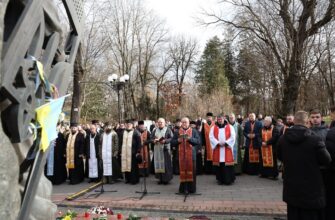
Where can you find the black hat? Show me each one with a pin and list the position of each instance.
(73, 124)
(129, 121)
(209, 114)
(94, 121)
(141, 122)
(193, 122)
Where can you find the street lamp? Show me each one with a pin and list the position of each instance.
(117, 85)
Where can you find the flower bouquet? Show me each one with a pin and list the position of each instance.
(99, 213)
(101, 210)
(68, 216)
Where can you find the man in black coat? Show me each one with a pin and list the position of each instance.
(302, 153)
(329, 176)
(317, 127)
(332, 116)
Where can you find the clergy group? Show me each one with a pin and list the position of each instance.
(223, 147)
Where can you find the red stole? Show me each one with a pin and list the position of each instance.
(209, 150)
(229, 158)
(185, 151)
(267, 154)
(253, 153)
(144, 151)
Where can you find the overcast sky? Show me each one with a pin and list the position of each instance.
(180, 17)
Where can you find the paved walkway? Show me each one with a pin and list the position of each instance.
(250, 195)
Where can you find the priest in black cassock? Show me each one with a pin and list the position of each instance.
(208, 157)
(130, 151)
(74, 154)
(199, 160)
(55, 168)
(174, 149)
(93, 160)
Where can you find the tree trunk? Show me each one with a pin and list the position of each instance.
(293, 78)
(291, 92)
(180, 94)
(78, 74)
(157, 102)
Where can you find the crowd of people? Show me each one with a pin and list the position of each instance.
(224, 145)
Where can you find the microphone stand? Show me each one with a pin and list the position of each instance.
(100, 191)
(146, 170)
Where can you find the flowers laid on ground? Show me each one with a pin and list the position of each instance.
(104, 213)
(68, 216)
(100, 210)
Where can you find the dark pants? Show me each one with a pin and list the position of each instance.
(329, 181)
(225, 174)
(250, 168)
(295, 213)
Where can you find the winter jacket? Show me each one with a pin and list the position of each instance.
(302, 153)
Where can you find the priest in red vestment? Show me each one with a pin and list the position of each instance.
(187, 139)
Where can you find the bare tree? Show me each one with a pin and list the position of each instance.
(326, 50)
(134, 34)
(286, 27)
(183, 53)
(159, 76)
(94, 45)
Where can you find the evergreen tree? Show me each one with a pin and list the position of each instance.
(210, 72)
(229, 66)
(247, 79)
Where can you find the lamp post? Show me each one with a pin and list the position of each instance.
(117, 84)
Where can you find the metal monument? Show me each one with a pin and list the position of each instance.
(32, 38)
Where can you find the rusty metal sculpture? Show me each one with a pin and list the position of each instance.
(32, 31)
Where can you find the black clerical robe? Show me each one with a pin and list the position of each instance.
(59, 173)
(76, 172)
(131, 146)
